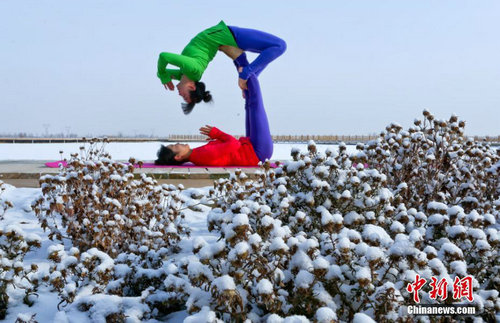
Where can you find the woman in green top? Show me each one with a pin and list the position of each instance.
(196, 56)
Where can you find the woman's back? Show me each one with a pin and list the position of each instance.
(204, 46)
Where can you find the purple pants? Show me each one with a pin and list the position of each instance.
(268, 46)
(256, 124)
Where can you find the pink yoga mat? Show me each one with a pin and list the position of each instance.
(152, 165)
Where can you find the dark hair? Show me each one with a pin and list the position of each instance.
(166, 157)
(198, 95)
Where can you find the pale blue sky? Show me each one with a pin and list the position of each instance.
(351, 66)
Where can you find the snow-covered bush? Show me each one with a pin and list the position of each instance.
(26, 318)
(138, 276)
(435, 161)
(122, 230)
(101, 205)
(14, 244)
(4, 204)
(327, 236)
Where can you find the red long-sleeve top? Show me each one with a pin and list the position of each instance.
(224, 150)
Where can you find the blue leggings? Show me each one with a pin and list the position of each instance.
(268, 46)
(256, 124)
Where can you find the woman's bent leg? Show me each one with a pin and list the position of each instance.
(269, 47)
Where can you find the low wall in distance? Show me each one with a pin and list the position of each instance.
(190, 138)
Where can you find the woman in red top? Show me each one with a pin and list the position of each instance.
(224, 149)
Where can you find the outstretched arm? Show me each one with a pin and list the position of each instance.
(185, 64)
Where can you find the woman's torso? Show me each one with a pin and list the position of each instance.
(204, 46)
(218, 153)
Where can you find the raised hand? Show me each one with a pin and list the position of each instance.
(206, 130)
(169, 86)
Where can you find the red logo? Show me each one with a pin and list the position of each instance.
(439, 289)
(415, 287)
(461, 288)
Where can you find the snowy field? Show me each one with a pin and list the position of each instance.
(145, 151)
(423, 234)
(22, 217)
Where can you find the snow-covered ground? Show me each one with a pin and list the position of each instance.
(121, 151)
(23, 217)
(45, 306)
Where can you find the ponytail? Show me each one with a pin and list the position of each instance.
(198, 95)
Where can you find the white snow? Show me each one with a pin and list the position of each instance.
(254, 239)
(278, 244)
(274, 318)
(107, 262)
(301, 260)
(450, 248)
(455, 230)
(374, 253)
(376, 233)
(325, 315)
(351, 217)
(363, 273)
(346, 194)
(266, 220)
(203, 316)
(362, 318)
(240, 219)
(344, 244)
(305, 260)
(437, 219)
(264, 286)
(459, 267)
(223, 283)
(476, 233)
(197, 269)
(437, 206)
(320, 263)
(304, 279)
(242, 247)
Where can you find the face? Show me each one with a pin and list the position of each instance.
(184, 87)
(180, 150)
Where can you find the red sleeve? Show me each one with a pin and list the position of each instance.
(222, 136)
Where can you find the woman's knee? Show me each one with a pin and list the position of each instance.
(281, 44)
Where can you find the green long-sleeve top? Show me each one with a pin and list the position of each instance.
(195, 57)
